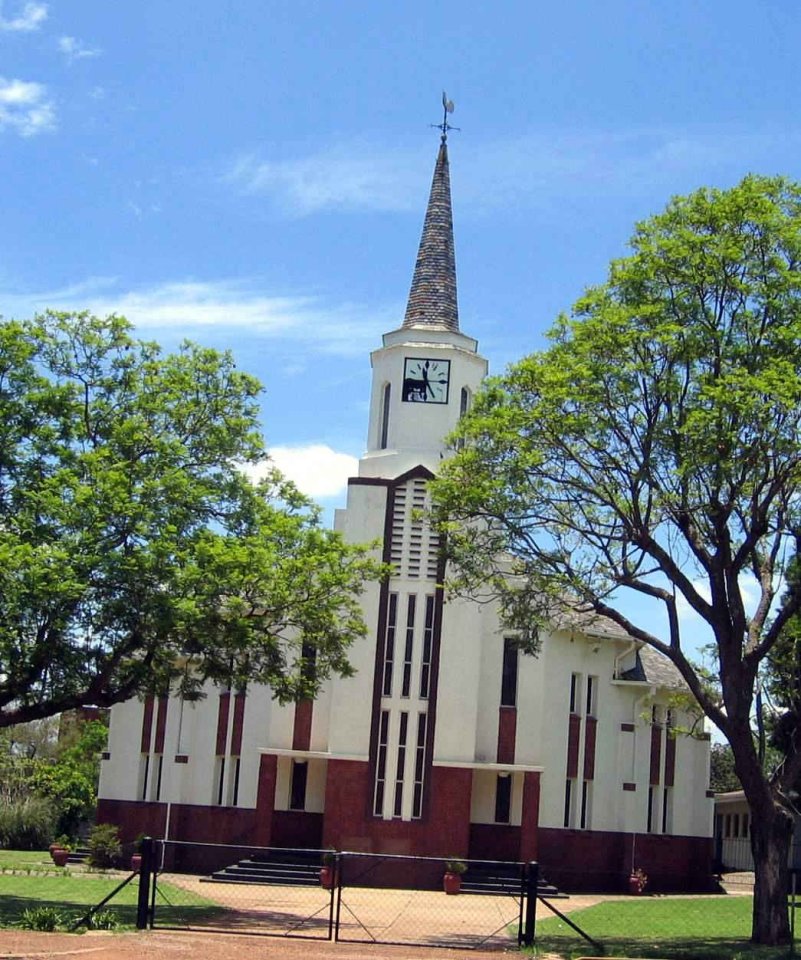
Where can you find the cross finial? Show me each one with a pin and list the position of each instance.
(447, 107)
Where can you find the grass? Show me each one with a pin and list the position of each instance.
(73, 893)
(26, 860)
(681, 928)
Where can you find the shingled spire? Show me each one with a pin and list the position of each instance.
(432, 298)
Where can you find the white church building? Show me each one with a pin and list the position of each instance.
(447, 742)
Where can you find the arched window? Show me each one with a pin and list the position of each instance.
(383, 438)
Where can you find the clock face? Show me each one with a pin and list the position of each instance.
(425, 381)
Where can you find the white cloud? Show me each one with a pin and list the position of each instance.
(73, 49)
(541, 168)
(351, 178)
(30, 18)
(316, 469)
(343, 329)
(25, 107)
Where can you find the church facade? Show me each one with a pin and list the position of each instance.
(447, 741)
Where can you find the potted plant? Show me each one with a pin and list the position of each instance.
(638, 881)
(136, 856)
(61, 853)
(452, 880)
(329, 872)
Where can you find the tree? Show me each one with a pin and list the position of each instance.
(722, 777)
(654, 448)
(134, 551)
(70, 780)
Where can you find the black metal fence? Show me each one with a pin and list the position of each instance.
(354, 897)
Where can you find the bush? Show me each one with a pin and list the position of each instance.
(104, 845)
(103, 920)
(27, 824)
(47, 919)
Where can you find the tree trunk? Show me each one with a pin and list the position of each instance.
(771, 831)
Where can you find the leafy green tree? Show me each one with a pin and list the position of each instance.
(134, 552)
(655, 448)
(722, 777)
(70, 781)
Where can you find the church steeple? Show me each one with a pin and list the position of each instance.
(432, 298)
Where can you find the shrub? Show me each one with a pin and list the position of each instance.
(103, 920)
(47, 919)
(104, 845)
(27, 824)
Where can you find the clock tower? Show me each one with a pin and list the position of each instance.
(387, 747)
(426, 372)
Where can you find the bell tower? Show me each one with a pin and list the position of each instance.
(426, 372)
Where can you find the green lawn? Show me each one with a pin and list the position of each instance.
(688, 928)
(72, 893)
(26, 860)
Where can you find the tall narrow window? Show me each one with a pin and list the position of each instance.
(428, 639)
(297, 790)
(404, 724)
(144, 770)
(409, 648)
(650, 825)
(383, 440)
(568, 803)
(419, 766)
(592, 692)
(575, 692)
(667, 810)
(503, 798)
(381, 764)
(159, 771)
(220, 780)
(586, 796)
(235, 784)
(389, 645)
(509, 673)
(464, 406)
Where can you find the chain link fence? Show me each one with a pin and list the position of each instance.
(354, 897)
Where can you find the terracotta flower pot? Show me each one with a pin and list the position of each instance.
(328, 877)
(452, 882)
(136, 862)
(60, 856)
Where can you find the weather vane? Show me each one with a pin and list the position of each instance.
(447, 107)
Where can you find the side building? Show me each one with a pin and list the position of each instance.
(447, 742)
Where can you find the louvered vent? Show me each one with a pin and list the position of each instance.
(414, 550)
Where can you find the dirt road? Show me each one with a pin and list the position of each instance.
(169, 945)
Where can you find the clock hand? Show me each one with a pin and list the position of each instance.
(426, 384)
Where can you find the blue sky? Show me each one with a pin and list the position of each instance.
(252, 174)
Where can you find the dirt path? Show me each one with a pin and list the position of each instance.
(169, 945)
